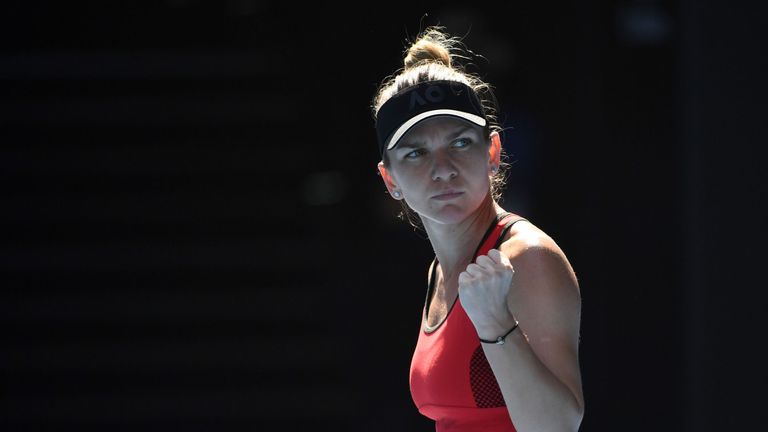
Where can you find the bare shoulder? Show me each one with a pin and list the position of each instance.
(545, 284)
(531, 249)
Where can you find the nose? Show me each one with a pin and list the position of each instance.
(443, 168)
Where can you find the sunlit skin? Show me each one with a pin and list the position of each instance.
(527, 279)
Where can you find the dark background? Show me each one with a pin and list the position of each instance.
(195, 236)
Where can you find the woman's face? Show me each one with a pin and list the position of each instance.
(441, 167)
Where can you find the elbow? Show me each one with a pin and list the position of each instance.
(573, 414)
(576, 416)
(569, 418)
(570, 421)
(573, 405)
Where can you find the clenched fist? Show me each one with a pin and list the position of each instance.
(483, 289)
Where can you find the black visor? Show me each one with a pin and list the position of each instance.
(425, 100)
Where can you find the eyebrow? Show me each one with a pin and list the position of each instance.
(419, 144)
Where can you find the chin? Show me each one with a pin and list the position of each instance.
(446, 214)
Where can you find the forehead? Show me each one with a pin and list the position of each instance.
(439, 127)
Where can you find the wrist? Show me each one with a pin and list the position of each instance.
(495, 328)
(499, 337)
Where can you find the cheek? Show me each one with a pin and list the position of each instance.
(479, 177)
(408, 175)
(474, 165)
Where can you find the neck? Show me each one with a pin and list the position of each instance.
(455, 244)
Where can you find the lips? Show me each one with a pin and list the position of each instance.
(446, 195)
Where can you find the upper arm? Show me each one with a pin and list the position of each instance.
(546, 301)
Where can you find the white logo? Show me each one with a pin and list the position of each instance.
(432, 94)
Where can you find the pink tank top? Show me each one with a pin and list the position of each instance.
(451, 381)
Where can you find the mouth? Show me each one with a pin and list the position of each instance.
(447, 196)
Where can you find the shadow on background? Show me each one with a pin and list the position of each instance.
(195, 235)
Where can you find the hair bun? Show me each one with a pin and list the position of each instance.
(432, 47)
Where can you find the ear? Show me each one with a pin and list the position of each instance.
(388, 180)
(494, 150)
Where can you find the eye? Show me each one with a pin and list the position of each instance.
(414, 154)
(462, 142)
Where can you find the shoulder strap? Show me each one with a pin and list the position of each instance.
(497, 236)
(431, 281)
(494, 235)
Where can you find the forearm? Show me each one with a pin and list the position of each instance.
(536, 399)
